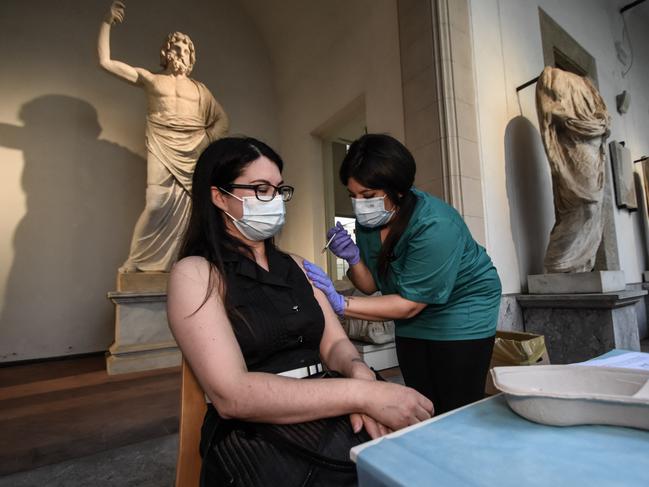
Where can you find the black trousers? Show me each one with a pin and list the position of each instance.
(449, 373)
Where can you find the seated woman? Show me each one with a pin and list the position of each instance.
(243, 314)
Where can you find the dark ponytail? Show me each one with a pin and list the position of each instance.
(378, 161)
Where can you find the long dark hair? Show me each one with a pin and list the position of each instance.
(378, 161)
(206, 236)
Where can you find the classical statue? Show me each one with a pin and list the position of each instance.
(574, 126)
(182, 119)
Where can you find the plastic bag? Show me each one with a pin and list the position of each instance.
(516, 348)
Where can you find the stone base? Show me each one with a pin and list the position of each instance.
(144, 360)
(578, 327)
(579, 282)
(378, 356)
(143, 340)
(142, 281)
(510, 316)
(643, 313)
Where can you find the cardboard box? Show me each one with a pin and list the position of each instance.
(516, 348)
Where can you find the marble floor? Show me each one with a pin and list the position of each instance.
(150, 463)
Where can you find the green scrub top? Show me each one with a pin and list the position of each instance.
(436, 261)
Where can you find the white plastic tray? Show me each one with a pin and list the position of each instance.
(566, 395)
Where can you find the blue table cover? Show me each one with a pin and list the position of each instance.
(487, 444)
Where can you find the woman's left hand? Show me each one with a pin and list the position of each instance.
(322, 281)
(373, 428)
(360, 370)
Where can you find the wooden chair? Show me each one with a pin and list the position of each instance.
(192, 411)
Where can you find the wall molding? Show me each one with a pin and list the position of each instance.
(440, 112)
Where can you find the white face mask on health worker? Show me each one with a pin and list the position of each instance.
(260, 219)
(371, 212)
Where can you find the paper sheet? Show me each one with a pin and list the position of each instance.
(628, 360)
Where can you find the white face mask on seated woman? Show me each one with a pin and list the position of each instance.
(260, 219)
(371, 212)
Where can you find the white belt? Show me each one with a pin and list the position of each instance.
(298, 373)
(301, 372)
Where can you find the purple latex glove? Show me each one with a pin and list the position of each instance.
(321, 280)
(342, 245)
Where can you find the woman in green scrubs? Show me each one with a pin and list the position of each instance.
(437, 284)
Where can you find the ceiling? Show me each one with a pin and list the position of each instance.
(298, 32)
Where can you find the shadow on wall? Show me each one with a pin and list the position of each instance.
(83, 195)
(529, 191)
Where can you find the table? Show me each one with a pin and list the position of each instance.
(487, 444)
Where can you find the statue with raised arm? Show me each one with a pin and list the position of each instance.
(182, 119)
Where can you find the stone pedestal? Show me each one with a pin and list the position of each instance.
(379, 357)
(142, 281)
(578, 282)
(643, 314)
(578, 327)
(143, 340)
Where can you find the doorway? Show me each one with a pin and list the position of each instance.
(340, 132)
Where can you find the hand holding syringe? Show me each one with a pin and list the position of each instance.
(341, 244)
(324, 249)
(331, 234)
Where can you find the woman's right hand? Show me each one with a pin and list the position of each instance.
(342, 244)
(396, 406)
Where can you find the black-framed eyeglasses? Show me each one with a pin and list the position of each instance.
(266, 192)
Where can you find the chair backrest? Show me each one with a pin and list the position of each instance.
(192, 411)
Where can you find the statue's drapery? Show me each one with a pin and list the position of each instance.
(574, 125)
(173, 144)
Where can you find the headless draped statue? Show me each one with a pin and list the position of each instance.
(182, 119)
(574, 125)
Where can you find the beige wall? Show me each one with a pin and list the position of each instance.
(362, 61)
(518, 189)
(71, 136)
(72, 153)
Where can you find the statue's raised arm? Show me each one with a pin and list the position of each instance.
(122, 70)
(183, 117)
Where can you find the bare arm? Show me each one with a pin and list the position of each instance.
(339, 354)
(208, 342)
(117, 68)
(377, 308)
(336, 351)
(381, 308)
(361, 278)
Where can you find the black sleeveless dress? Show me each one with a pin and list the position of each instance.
(277, 320)
(279, 325)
